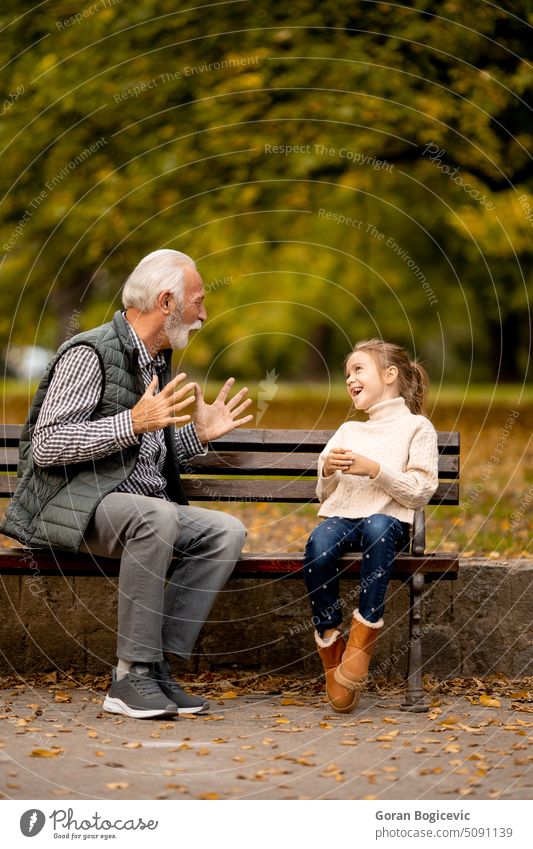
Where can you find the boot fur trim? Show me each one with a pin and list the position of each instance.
(376, 625)
(325, 644)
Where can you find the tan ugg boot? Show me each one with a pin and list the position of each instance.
(353, 668)
(330, 651)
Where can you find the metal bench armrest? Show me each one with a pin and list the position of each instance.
(418, 542)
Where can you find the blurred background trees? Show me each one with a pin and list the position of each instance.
(243, 133)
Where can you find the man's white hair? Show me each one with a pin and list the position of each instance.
(159, 271)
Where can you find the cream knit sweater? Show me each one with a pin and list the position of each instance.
(405, 446)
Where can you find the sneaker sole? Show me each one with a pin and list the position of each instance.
(200, 709)
(118, 706)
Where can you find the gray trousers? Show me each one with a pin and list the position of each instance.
(162, 605)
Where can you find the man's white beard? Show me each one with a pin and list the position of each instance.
(177, 333)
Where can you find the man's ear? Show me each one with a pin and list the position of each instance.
(164, 301)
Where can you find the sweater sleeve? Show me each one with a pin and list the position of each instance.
(414, 487)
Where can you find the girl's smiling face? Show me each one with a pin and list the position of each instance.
(366, 383)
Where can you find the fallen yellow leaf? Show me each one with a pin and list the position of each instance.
(134, 744)
(46, 753)
(488, 701)
(433, 714)
(385, 738)
(449, 720)
(117, 785)
(231, 694)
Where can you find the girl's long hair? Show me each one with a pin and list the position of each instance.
(413, 380)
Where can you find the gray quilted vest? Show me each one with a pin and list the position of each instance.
(53, 505)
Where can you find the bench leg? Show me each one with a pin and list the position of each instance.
(414, 697)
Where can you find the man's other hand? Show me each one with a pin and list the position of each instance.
(222, 416)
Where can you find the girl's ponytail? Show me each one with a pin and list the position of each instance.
(417, 391)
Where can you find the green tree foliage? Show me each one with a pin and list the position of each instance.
(338, 170)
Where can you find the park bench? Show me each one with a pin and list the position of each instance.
(266, 466)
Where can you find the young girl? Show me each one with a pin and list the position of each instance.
(372, 476)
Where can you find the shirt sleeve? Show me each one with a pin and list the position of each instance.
(187, 442)
(414, 487)
(64, 432)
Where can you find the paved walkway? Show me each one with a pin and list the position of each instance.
(57, 743)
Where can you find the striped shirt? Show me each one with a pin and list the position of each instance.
(64, 432)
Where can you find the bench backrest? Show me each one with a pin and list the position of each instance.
(256, 465)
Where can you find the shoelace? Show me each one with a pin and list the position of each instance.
(145, 686)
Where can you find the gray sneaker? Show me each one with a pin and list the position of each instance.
(184, 701)
(138, 695)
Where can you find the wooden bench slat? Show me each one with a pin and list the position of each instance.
(271, 491)
(9, 458)
(236, 462)
(8, 484)
(264, 440)
(274, 564)
(10, 434)
(282, 491)
(240, 440)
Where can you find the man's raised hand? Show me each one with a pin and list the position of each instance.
(153, 412)
(222, 416)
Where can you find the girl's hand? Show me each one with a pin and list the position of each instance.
(362, 466)
(338, 460)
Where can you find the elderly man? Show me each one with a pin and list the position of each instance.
(99, 467)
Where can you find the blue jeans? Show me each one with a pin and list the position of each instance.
(378, 537)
